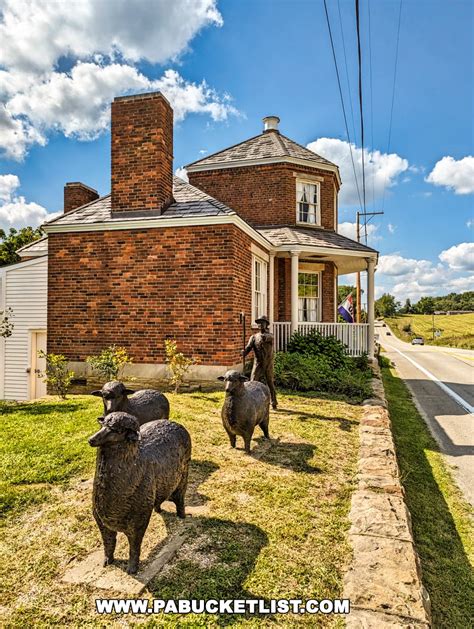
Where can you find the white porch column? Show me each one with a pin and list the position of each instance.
(370, 305)
(294, 290)
(271, 288)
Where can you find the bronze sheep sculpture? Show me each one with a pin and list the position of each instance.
(146, 405)
(136, 470)
(246, 405)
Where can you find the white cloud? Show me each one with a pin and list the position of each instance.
(349, 230)
(470, 223)
(459, 256)
(15, 211)
(182, 173)
(413, 278)
(457, 175)
(62, 67)
(381, 169)
(391, 228)
(35, 34)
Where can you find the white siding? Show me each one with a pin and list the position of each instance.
(25, 291)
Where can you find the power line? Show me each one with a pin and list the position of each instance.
(393, 95)
(347, 70)
(359, 56)
(342, 98)
(371, 101)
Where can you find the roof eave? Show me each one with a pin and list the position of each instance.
(197, 167)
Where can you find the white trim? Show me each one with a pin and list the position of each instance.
(20, 265)
(317, 185)
(156, 223)
(266, 160)
(33, 254)
(336, 209)
(259, 252)
(263, 285)
(3, 298)
(328, 250)
(319, 298)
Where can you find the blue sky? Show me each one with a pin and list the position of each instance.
(256, 58)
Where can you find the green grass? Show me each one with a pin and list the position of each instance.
(272, 528)
(441, 518)
(456, 330)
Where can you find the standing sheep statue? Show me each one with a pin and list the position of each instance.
(136, 470)
(146, 405)
(246, 405)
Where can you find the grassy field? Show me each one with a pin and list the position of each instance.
(456, 330)
(442, 520)
(273, 527)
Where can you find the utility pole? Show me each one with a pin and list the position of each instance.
(358, 299)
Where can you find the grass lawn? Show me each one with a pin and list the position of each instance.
(273, 527)
(442, 520)
(456, 330)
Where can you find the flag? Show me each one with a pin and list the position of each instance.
(346, 309)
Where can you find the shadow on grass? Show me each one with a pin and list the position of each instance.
(43, 408)
(199, 472)
(214, 564)
(344, 423)
(447, 572)
(291, 456)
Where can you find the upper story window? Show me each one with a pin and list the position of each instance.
(307, 203)
(259, 292)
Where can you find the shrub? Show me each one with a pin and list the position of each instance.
(314, 344)
(407, 328)
(57, 376)
(178, 364)
(306, 372)
(110, 362)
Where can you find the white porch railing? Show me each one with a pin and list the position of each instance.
(353, 335)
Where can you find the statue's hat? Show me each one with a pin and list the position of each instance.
(263, 319)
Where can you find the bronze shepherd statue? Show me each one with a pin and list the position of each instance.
(261, 344)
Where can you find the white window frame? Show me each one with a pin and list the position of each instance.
(318, 298)
(259, 287)
(317, 216)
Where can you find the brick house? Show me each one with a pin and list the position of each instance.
(254, 231)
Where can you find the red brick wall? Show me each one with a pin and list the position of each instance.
(77, 194)
(138, 287)
(142, 153)
(265, 195)
(327, 292)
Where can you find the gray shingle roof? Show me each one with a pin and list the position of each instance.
(36, 248)
(189, 201)
(310, 236)
(270, 144)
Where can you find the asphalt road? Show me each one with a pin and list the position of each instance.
(441, 380)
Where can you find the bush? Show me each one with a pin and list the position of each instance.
(6, 325)
(57, 376)
(306, 372)
(407, 328)
(314, 344)
(178, 364)
(110, 362)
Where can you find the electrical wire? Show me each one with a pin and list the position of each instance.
(361, 108)
(372, 144)
(393, 96)
(342, 100)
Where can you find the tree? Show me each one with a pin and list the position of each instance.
(178, 364)
(386, 306)
(57, 375)
(426, 305)
(9, 243)
(407, 308)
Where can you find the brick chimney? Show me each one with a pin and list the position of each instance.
(142, 154)
(77, 194)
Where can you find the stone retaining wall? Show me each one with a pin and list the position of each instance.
(384, 581)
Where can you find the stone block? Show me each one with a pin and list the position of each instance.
(379, 514)
(385, 577)
(365, 619)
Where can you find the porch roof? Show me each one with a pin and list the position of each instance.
(321, 245)
(300, 237)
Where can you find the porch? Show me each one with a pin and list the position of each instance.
(308, 262)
